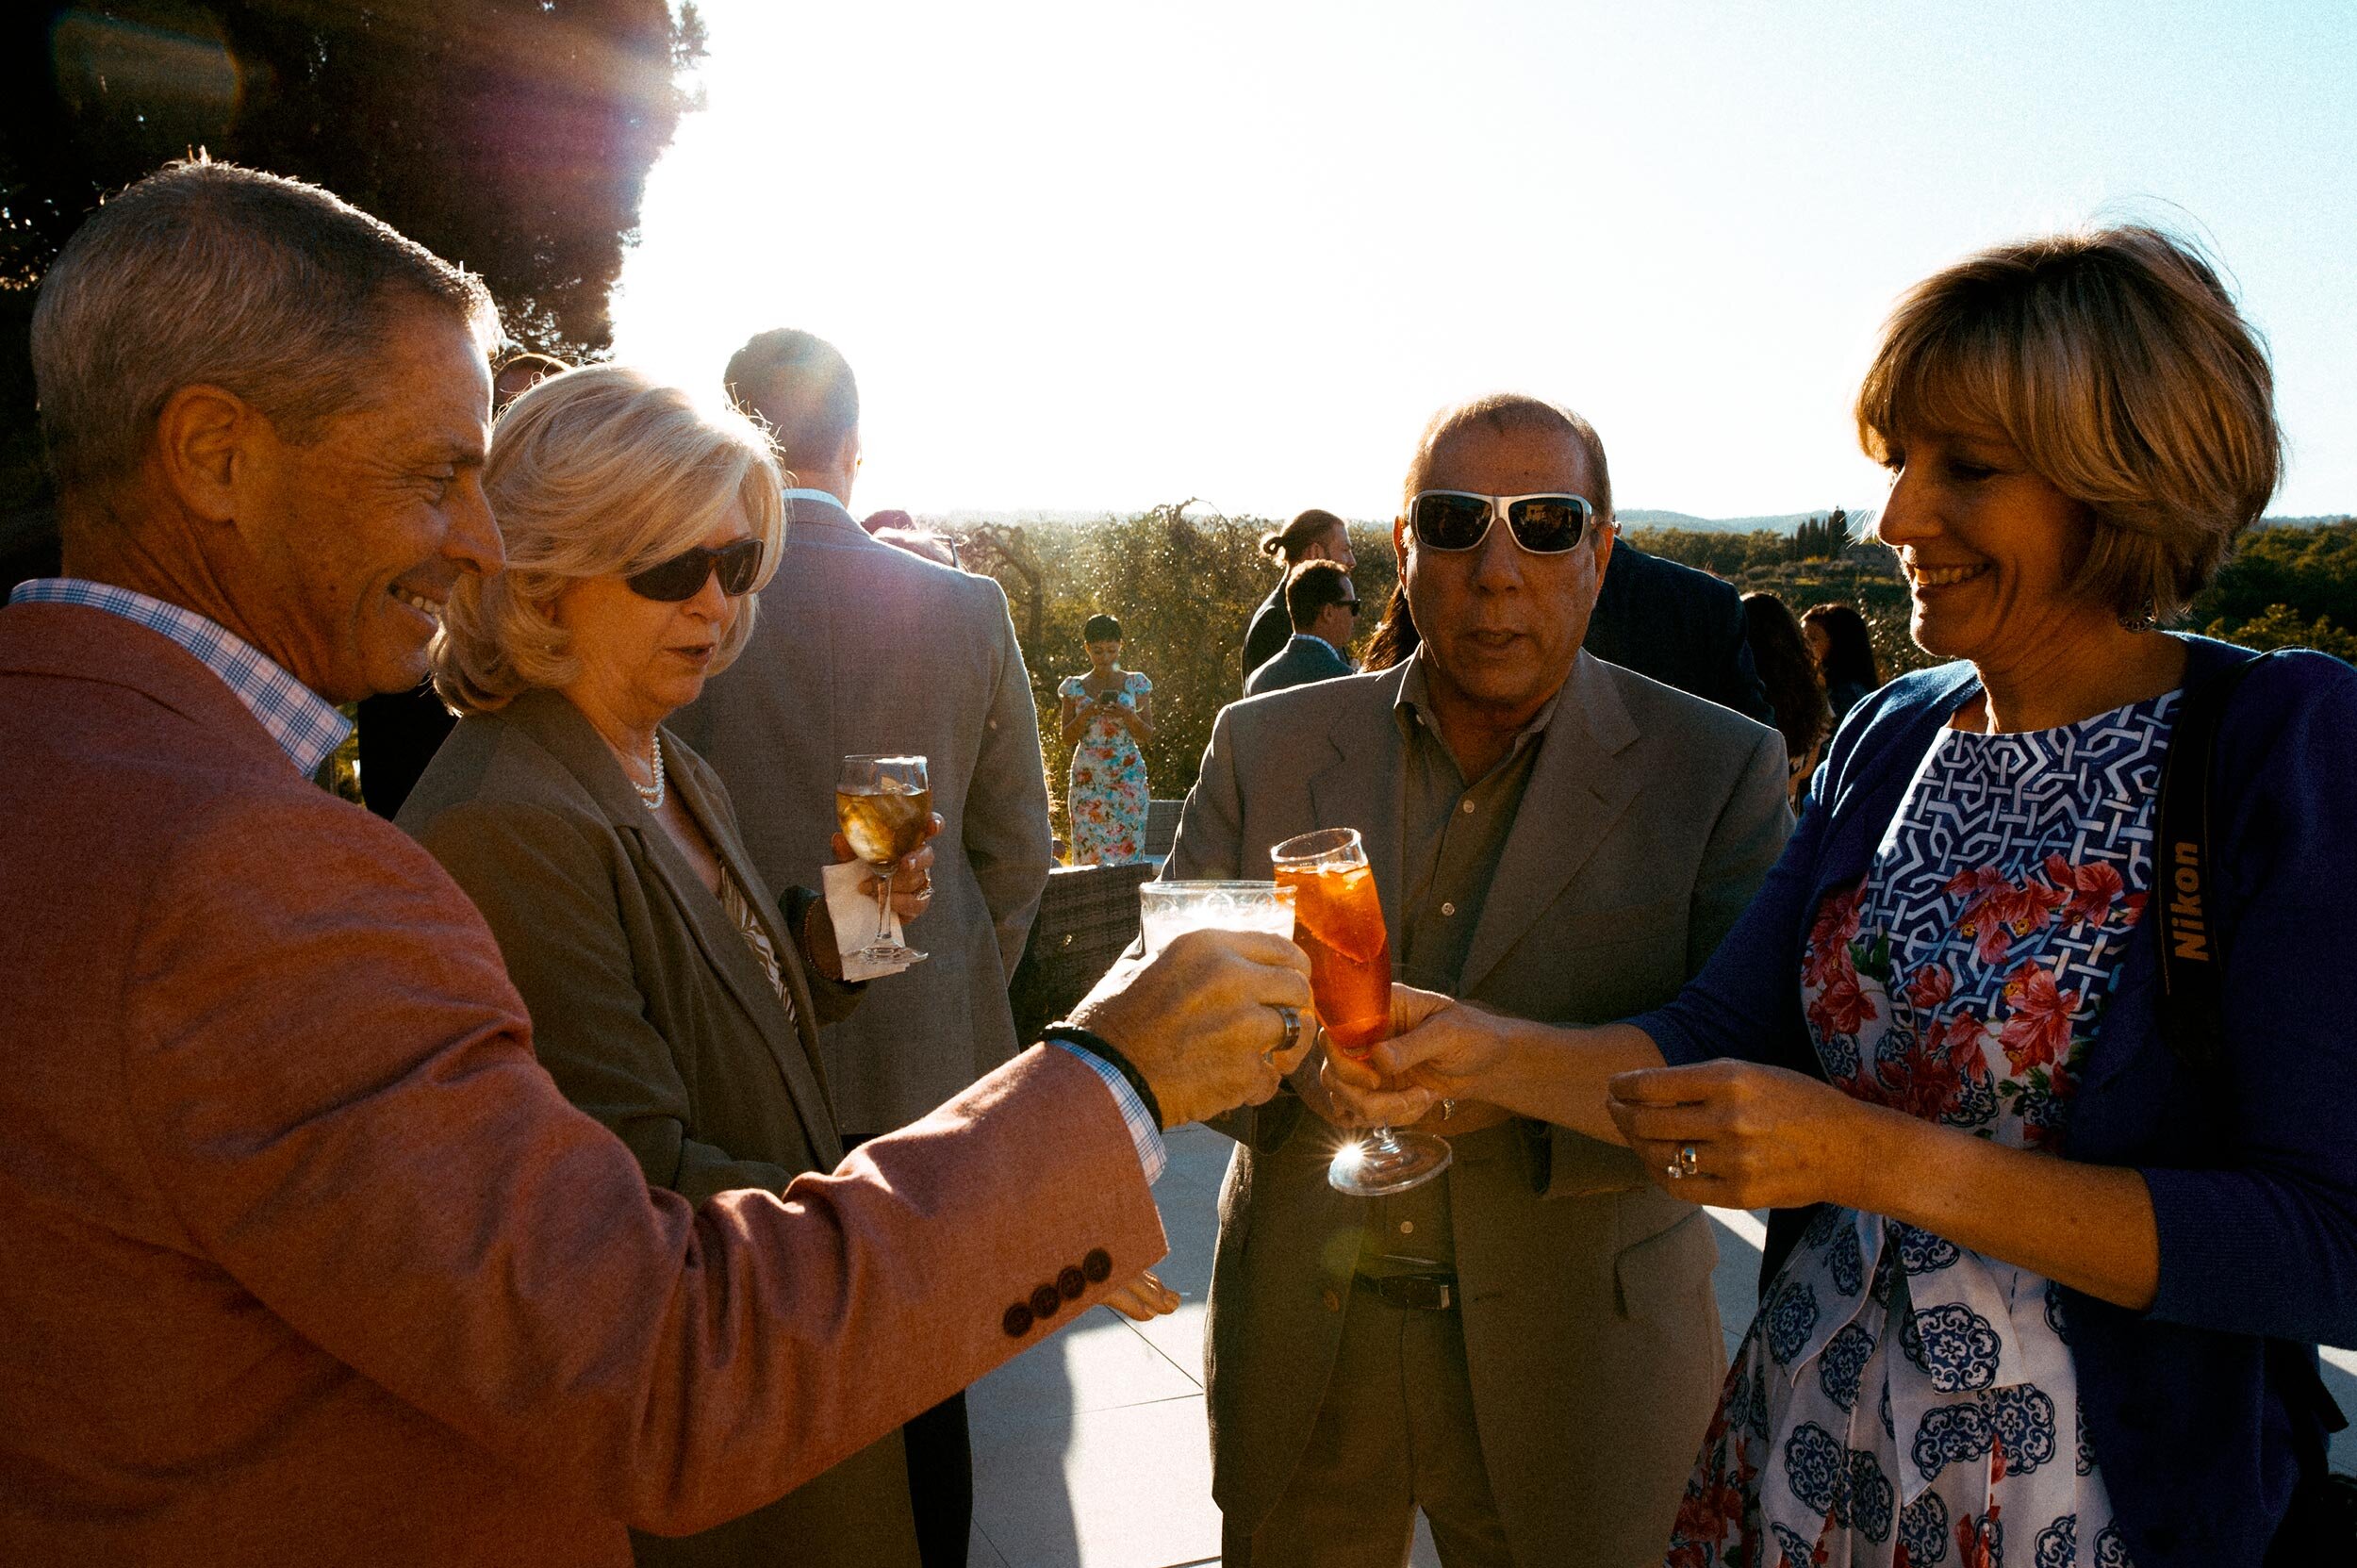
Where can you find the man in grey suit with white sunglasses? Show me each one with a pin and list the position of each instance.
(1527, 1348)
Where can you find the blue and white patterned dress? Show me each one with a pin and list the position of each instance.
(1900, 1402)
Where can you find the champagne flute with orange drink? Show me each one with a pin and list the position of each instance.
(1339, 922)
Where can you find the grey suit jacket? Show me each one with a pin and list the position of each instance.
(652, 1014)
(1590, 1324)
(862, 648)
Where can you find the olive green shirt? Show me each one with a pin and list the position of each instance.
(1452, 835)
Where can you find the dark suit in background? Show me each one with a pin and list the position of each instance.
(399, 732)
(1303, 659)
(1682, 627)
(1264, 637)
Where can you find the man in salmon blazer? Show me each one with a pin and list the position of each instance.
(306, 1258)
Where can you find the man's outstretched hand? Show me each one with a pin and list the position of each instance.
(1199, 1020)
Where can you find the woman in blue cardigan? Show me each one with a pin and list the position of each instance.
(2059, 1298)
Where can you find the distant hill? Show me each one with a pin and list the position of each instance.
(1861, 522)
(1646, 517)
(1861, 519)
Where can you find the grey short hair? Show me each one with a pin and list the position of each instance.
(209, 273)
(1507, 411)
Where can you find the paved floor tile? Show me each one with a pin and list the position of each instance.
(1100, 1362)
(1121, 1488)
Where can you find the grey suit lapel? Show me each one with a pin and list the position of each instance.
(1359, 787)
(559, 727)
(1578, 789)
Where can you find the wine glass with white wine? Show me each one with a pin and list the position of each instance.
(884, 805)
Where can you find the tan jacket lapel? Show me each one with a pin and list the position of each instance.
(798, 1059)
(559, 727)
(1577, 790)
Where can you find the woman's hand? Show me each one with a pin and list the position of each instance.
(1439, 1046)
(1762, 1137)
(1358, 1093)
(911, 876)
(1144, 1298)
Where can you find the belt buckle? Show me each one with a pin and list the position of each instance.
(1426, 1293)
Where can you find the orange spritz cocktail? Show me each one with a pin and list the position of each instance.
(1338, 920)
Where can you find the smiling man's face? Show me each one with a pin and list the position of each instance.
(357, 536)
(1501, 625)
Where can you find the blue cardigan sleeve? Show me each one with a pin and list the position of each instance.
(2259, 1234)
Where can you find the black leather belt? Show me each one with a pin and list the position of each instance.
(1425, 1293)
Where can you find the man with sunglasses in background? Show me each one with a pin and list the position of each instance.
(1323, 605)
(1526, 1349)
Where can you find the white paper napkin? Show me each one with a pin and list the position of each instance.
(854, 916)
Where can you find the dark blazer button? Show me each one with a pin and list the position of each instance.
(1071, 1282)
(1098, 1266)
(1045, 1301)
(1018, 1322)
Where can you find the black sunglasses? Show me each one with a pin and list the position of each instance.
(1350, 605)
(1544, 524)
(683, 576)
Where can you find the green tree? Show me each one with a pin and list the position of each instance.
(2283, 575)
(513, 136)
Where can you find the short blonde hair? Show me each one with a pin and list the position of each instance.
(2118, 364)
(597, 472)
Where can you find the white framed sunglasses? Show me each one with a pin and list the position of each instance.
(1546, 522)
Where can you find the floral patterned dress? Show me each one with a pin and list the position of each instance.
(1900, 1402)
(1108, 797)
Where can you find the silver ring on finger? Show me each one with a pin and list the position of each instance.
(1686, 1164)
(1291, 1018)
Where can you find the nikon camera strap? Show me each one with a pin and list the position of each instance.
(2192, 1016)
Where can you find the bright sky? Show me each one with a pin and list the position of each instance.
(1100, 256)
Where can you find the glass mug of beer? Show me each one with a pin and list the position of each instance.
(883, 805)
(1339, 923)
(1165, 909)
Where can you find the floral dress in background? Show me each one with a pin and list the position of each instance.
(1900, 1402)
(1108, 797)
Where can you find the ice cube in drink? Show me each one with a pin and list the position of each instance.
(1339, 923)
(885, 822)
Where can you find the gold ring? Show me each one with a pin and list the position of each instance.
(1686, 1164)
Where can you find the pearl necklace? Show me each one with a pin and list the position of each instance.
(652, 794)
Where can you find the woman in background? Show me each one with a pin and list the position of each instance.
(1795, 694)
(1108, 716)
(1844, 651)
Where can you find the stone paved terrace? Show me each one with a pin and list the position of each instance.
(1090, 1450)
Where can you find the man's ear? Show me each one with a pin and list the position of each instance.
(1400, 543)
(1607, 531)
(205, 450)
(847, 456)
